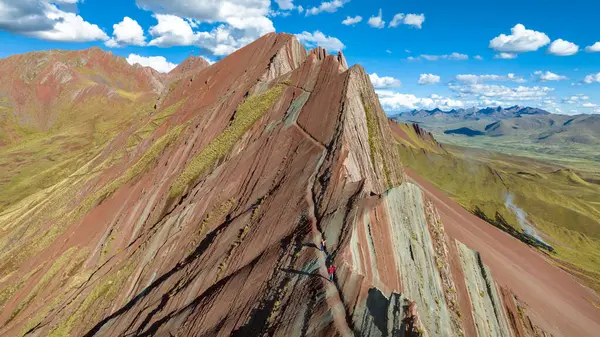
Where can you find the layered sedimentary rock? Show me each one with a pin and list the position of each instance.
(211, 225)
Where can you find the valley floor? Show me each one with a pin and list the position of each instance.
(580, 156)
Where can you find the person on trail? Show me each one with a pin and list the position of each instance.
(323, 244)
(331, 271)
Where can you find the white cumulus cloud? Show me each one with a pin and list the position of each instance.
(127, 32)
(505, 56)
(592, 78)
(351, 21)
(500, 92)
(394, 101)
(415, 20)
(327, 6)
(44, 20)
(285, 4)
(454, 56)
(159, 63)
(397, 20)
(520, 40)
(561, 47)
(575, 99)
(317, 38)
(428, 79)
(377, 21)
(593, 48)
(240, 14)
(384, 81)
(223, 39)
(477, 57)
(172, 30)
(238, 22)
(549, 76)
(69, 27)
(470, 78)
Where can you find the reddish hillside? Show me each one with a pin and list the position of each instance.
(38, 87)
(59, 108)
(191, 65)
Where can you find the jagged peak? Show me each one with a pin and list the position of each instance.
(319, 52)
(290, 56)
(360, 70)
(342, 60)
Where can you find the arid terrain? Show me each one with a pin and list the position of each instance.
(195, 203)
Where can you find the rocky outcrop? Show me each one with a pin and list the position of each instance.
(487, 307)
(205, 219)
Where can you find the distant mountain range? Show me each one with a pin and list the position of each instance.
(535, 125)
(476, 113)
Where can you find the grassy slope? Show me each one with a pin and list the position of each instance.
(60, 204)
(43, 158)
(247, 114)
(561, 204)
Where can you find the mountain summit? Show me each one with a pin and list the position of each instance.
(203, 215)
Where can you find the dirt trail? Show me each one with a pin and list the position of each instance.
(557, 301)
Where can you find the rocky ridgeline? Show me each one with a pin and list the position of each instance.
(210, 225)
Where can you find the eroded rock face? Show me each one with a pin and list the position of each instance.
(211, 225)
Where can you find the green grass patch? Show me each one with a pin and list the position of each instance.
(8, 291)
(141, 166)
(155, 122)
(76, 282)
(105, 292)
(63, 265)
(375, 142)
(247, 114)
(35, 159)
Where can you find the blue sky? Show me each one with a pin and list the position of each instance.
(425, 54)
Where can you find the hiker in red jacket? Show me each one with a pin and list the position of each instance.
(331, 271)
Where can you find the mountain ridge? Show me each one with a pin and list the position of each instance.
(476, 113)
(203, 214)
